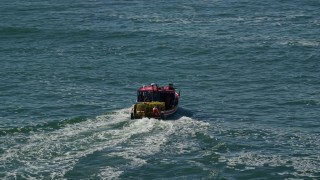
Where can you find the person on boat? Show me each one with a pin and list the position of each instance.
(168, 102)
(140, 97)
(155, 111)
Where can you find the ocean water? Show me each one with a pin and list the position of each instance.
(248, 72)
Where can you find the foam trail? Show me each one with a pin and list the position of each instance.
(159, 133)
(55, 153)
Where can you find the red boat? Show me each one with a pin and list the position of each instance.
(154, 101)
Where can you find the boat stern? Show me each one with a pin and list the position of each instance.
(147, 109)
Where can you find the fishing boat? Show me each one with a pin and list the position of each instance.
(154, 101)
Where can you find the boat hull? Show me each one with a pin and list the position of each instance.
(155, 102)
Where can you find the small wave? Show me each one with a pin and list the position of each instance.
(109, 173)
(301, 102)
(48, 126)
(301, 42)
(181, 113)
(17, 30)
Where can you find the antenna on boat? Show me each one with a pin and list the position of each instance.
(152, 84)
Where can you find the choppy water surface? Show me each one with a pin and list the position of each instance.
(249, 74)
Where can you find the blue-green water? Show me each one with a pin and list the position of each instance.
(248, 71)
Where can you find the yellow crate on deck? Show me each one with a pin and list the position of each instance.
(145, 109)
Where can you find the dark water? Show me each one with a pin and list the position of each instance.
(248, 70)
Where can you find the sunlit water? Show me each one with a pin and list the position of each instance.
(248, 73)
